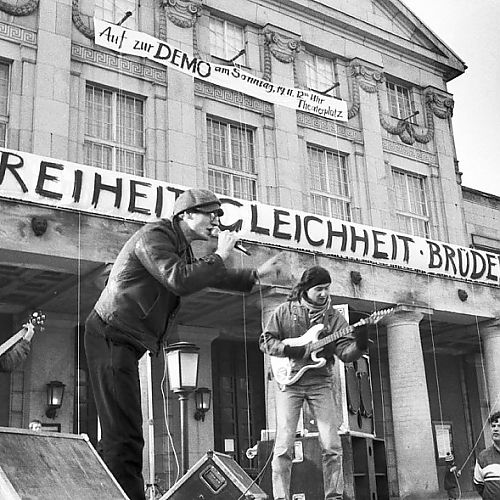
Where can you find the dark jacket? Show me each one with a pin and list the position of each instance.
(11, 359)
(153, 270)
(291, 320)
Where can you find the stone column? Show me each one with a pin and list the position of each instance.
(414, 443)
(490, 335)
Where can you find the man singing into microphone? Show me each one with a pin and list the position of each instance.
(153, 270)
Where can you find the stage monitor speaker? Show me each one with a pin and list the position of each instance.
(52, 465)
(215, 477)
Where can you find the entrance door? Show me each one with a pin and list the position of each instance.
(238, 394)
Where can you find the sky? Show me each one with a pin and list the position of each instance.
(470, 29)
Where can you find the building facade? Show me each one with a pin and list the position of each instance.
(81, 125)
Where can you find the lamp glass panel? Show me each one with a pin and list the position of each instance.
(189, 372)
(174, 370)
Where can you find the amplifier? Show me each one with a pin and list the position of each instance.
(215, 476)
(307, 472)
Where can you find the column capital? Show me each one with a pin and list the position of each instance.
(406, 314)
(490, 328)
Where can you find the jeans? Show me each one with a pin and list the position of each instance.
(289, 402)
(114, 375)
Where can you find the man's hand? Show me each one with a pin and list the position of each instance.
(30, 331)
(362, 337)
(225, 243)
(271, 267)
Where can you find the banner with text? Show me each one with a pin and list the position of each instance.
(64, 185)
(140, 44)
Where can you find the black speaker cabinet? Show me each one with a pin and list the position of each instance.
(53, 465)
(215, 477)
(307, 472)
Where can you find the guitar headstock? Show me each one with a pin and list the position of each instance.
(375, 317)
(37, 318)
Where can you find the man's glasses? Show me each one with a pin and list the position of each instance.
(212, 215)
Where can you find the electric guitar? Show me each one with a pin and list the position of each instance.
(37, 318)
(287, 371)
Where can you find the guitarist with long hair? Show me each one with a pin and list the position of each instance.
(308, 305)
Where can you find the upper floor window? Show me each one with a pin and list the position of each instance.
(320, 72)
(400, 102)
(4, 101)
(329, 183)
(114, 131)
(411, 205)
(231, 159)
(114, 10)
(226, 40)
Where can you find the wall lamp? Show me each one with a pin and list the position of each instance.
(55, 394)
(203, 398)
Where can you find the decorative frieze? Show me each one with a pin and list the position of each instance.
(329, 126)
(409, 152)
(183, 13)
(17, 34)
(227, 96)
(118, 63)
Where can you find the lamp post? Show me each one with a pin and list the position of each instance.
(182, 365)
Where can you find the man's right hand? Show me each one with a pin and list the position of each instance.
(271, 267)
(225, 243)
(297, 351)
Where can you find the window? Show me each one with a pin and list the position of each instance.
(400, 104)
(226, 40)
(329, 183)
(231, 159)
(114, 131)
(320, 72)
(411, 207)
(4, 102)
(114, 10)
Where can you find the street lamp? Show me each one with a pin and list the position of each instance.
(55, 394)
(182, 364)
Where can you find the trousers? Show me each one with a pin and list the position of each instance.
(289, 401)
(114, 376)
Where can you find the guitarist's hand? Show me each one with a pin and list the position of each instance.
(297, 351)
(30, 330)
(362, 337)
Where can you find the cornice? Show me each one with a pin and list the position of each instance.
(119, 64)
(228, 96)
(362, 32)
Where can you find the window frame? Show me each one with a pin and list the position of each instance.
(4, 117)
(343, 198)
(116, 144)
(227, 169)
(394, 103)
(316, 86)
(243, 59)
(408, 214)
(116, 12)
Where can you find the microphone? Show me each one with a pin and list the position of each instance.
(238, 245)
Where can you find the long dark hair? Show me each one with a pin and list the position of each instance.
(312, 276)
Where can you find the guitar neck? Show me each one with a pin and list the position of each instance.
(333, 336)
(370, 320)
(12, 341)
